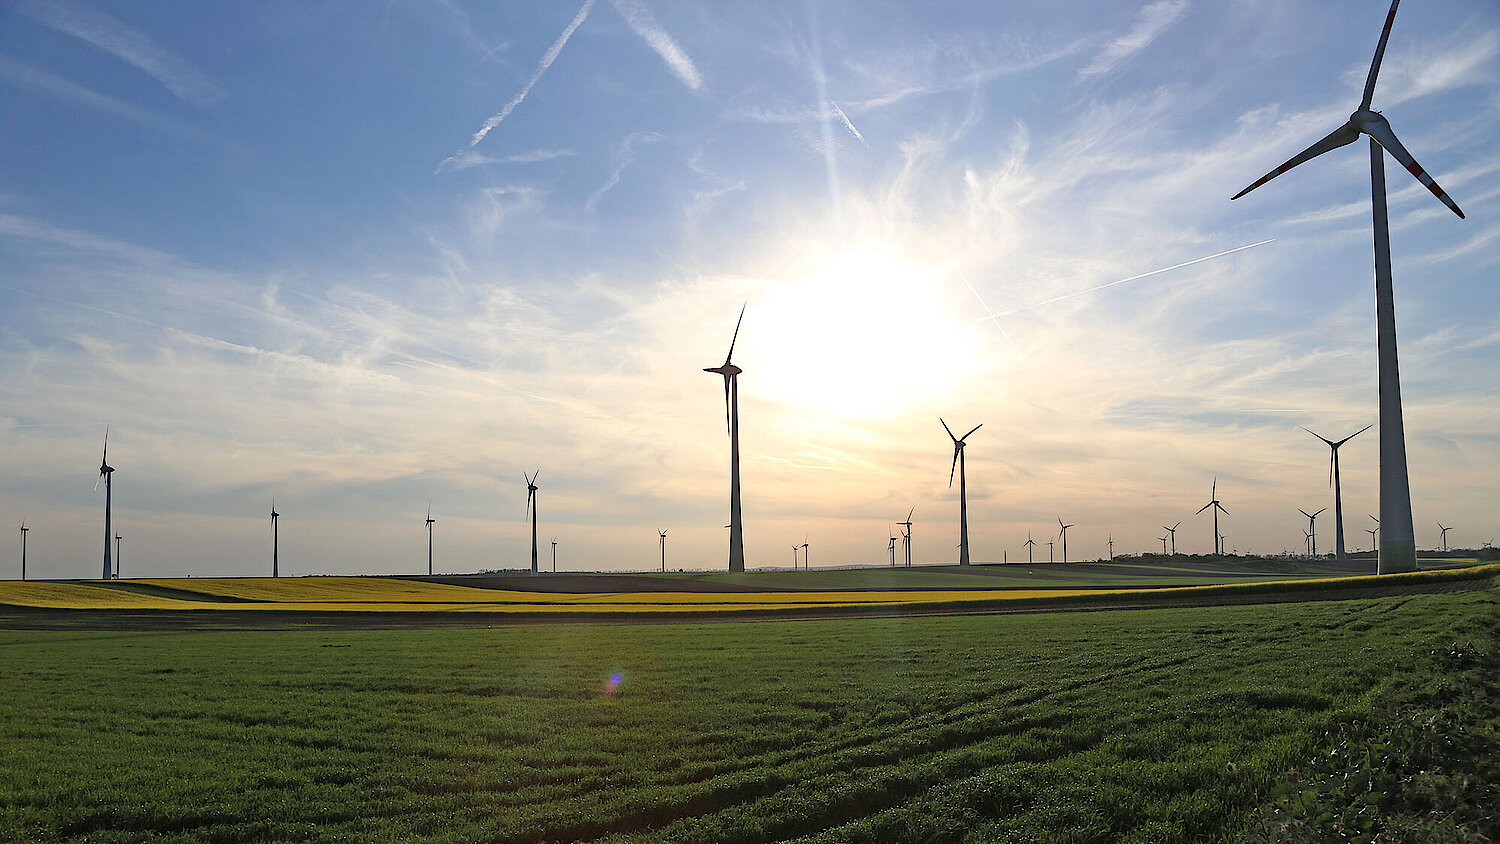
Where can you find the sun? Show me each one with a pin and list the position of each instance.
(866, 332)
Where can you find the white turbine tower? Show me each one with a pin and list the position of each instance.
(963, 489)
(1333, 481)
(106, 474)
(1398, 547)
(731, 375)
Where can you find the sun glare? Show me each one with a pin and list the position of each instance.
(864, 334)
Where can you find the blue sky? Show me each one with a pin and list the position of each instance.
(263, 243)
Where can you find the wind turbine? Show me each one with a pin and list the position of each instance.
(1372, 531)
(1217, 508)
(531, 488)
(661, 536)
(1163, 545)
(963, 490)
(892, 548)
(275, 541)
(1307, 542)
(117, 555)
(1398, 548)
(1445, 534)
(430, 521)
(806, 558)
(794, 556)
(24, 529)
(1049, 551)
(1312, 527)
(106, 474)
(1172, 531)
(1064, 534)
(1333, 480)
(1111, 548)
(906, 535)
(554, 555)
(1029, 545)
(732, 420)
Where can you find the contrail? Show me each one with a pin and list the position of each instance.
(844, 117)
(992, 316)
(1123, 280)
(547, 59)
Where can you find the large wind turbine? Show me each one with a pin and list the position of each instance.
(1312, 529)
(106, 474)
(1398, 547)
(1217, 508)
(275, 541)
(1333, 480)
(1029, 545)
(963, 489)
(906, 535)
(1172, 531)
(430, 521)
(1445, 534)
(1063, 532)
(732, 419)
(24, 529)
(531, 488)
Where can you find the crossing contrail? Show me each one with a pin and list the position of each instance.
(993, 316)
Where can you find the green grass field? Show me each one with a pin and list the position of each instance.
(1152, 726)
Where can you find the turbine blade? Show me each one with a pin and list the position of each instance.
(1331, 458)
(1304, 512)
(97, 480)
(949, 430)
(1316, 434)
(1204, 507)
(1380, 130)
(973, 429)
(736, 337)
(1342, 136)
(1221, 508)
(909, 512)
(105, 459)
(953, 468)
(1355, 434)
(1385, 35)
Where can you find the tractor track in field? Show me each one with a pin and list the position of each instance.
(31, 618)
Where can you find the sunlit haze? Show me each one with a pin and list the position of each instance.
(363, 258)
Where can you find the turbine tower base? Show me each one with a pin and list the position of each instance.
(1397, 557)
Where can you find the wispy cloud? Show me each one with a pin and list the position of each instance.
(1153, 20)
(39, 81)
(125, 43)
(624, 157)
(644, 24)
(547, 59)
(465, 159)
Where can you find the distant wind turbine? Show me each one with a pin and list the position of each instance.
(794, 556)
(1029, 545)
(1312, 527)
(1111, 548)
(1217, 509)
(554, 555)
(661, 536)
(906, 535)
(1172, 531)
(275, 541)
(1049, 551)
(731, 375)
(1398, 547)
(1445, 534)
(892, 547)
(806, 558)
(1333, 480)
(106, 474)
(963, 489)
(430, 521)
(1063, 532)
(531, 489)
(1307, 539)
(1372, 531)
(118, 539)
(1163, 539)
(24, 530)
